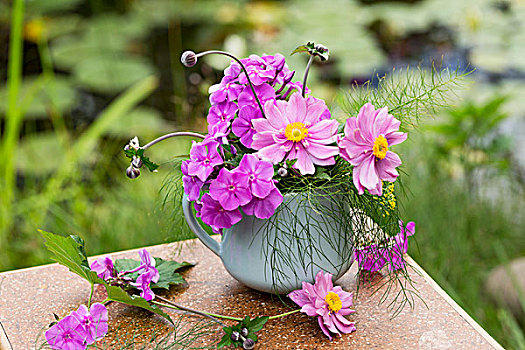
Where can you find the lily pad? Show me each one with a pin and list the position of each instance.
(38, 95)
(111, 73)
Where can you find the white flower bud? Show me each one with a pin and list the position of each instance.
(188, 58)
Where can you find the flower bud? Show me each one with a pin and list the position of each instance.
(282, 172)
(248, 344)
(235, 336)
(132, 172)
(136, 162)
(244, 332)
(321, 48)
(188, 58)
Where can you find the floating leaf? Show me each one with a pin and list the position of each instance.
(111, 73)
(39, 95)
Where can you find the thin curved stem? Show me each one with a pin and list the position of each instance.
(306, 73)
(173, 134)
(204, 53)
(172, 305)
(285, 314)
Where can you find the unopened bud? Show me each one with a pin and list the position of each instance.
(136, 162)
(188, 58)
(132, 172)
(248, 344)
(282, 172)
(244, 332)
(321, 48)
(235, 336)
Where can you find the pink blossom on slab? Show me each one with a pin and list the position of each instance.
(328, 303)
(103, 267)
(67, 334)
(366, 145)
(144, 281)
(293, 130)
(94, 321)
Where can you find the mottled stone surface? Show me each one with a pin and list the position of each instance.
(28, 299)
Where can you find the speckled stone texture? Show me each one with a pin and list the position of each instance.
(28, 299)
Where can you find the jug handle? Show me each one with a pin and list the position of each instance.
(196, 228)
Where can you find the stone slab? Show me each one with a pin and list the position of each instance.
(29, 297)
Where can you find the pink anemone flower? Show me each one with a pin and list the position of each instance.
(366, 145)
(293, 130)
(328, 303)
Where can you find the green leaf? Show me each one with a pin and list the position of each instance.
(302, 48)
(226, 339)
(145, 160)
(257, 324)
(69, 251)
(167, 271)
(119, 295)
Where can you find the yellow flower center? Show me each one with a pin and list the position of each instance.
(333, 301)
(380, 147)
(296, 131)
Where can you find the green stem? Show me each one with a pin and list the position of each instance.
(13, 120)
(201, 313)
(176, 306)
(306, 73)
(91, 294)
(285, 314)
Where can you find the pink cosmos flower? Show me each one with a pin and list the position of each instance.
(94, 321)
(366, 146)
(103, 267)
(293, 130)
(328, 303)
(67, 334)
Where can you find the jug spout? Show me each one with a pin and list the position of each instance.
(197, 229)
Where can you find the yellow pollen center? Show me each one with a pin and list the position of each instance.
(380, 147)
(333, 301)
(296, 131)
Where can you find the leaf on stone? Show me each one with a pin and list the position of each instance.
(119, 295)
(69, 251)
(167, 271)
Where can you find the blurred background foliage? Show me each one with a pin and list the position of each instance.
(94, 73)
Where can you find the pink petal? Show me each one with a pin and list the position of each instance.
(296, 108)
(273, 153)
(304, 163)
(386, 167)
(323, 327)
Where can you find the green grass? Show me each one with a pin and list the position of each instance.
(458, 232)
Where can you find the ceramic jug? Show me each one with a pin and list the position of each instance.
(276, 256)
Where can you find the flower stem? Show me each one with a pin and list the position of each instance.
(178, 307)
(306, 73)
(173, 134)
(91, 294)
(203, 313)
(204, 53)
(285, 314)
